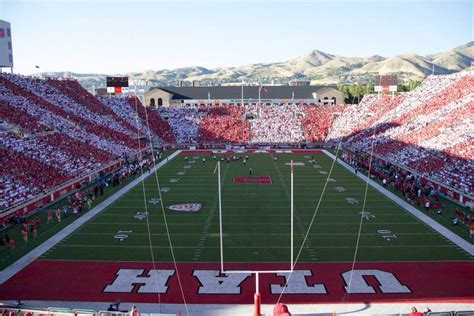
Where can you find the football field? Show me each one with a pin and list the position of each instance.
(328, 218)
(160, 241)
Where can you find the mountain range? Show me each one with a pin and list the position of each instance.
(318, 67)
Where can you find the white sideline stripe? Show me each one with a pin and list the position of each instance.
(465, 245)
(66, 231)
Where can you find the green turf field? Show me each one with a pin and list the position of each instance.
(256, 218)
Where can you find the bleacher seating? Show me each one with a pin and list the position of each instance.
(57, 127)
(276, 124)
(224, 124)
(152, 120)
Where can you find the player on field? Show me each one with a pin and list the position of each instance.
(50, 217)
(37, 222)
(33, 230)
(58, 215)
(11, 244)
(471, 230)
(24, 234)
(204, 159)
(250, 171)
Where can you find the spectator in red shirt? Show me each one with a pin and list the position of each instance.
(415, 312)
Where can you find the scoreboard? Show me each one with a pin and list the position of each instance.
(117, 84)
(386, 83)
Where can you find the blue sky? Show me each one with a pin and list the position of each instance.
(118, 36)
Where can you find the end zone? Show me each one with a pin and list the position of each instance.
(311, 283)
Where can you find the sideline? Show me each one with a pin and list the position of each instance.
(465, 245)
(18, 265)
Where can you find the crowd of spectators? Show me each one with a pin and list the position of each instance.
(43, 144)
(152, 119)
(184, 122)
(276, 124)
(427, 130)
(317, 121)
(38, 91)
(224, 124)
(59, 125)
(74, 91)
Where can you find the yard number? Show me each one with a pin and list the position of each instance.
(122, 234)
(386, 234)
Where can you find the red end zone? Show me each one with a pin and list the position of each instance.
(99, 281)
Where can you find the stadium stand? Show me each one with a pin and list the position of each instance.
(58, 127)
(156, 124)
(224, 124)
(317, 121)
(276, 124)
(184, 122)
(424, 129)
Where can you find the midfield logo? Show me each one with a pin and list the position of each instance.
(188, 207)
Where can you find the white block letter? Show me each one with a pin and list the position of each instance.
(297, 284)
(388, 282)
(154, 282)
(212, 283)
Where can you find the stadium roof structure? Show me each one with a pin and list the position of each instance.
(235, 92)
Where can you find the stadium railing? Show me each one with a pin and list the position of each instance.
(56, 311)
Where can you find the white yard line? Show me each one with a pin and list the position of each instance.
(250, 223)
(452, 237)
(262, 235)
(252, 247)
(54, 240)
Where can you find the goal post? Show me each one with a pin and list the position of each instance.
(257, 298)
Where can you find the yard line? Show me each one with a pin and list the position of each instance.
(208, 223)
(241, 201)
(247, 223)
(253, 247)
(425, 219)
(258, 234)
(266, 215)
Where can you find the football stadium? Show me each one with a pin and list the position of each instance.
(240, 197)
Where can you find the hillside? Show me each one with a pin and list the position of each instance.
(317, 66)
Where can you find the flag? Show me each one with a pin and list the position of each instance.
(208, 95)
(261, 88)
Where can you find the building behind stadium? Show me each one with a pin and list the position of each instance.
(294, 92)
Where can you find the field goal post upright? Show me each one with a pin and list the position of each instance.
(257, 300)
